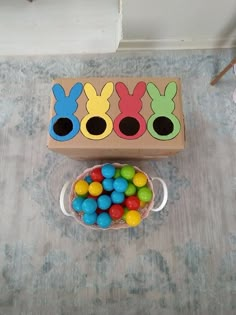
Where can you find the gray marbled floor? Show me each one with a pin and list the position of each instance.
(180, 261)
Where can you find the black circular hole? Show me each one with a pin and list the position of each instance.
(63, 126)
(129, 126)
(163, 126)
(96, 125)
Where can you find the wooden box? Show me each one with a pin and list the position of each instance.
(116, 118)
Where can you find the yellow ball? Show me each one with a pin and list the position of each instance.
(95, 189)
(140, 179)
(133, 218)
(81, 187)
(142, 204)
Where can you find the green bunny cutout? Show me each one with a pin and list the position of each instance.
(163, 124)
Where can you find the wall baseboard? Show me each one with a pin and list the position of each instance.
(167, 44)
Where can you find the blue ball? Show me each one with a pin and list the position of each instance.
(88, 179)
(89, 206)
(104, 202)
(77, 203)
(90, 218)
(104, 220)
(120, 184)
(108, 184)
(108, 170)
(117, 197)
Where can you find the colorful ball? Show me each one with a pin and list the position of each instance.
(96, 174)
(127, 172)
(120, 184)
(90, 219)
(140, 179)
(104, 220)
(108, 184)
(104, 202)
(99, 211)
(145, 194)
(126, 210)
(132, 202)
(117, 197)
(123, 203)
(108, 193)
(133, 218)
(108, 170)
(84, 196)
(116, 212)
(131, 190)
(89, 206)
(142, 204)
(93, 197)
(117, 173)
(77, 204)
(81, 187)
(95, 189)
(88, 179)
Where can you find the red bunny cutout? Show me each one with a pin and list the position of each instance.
(130, 124)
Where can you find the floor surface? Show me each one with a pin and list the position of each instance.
(180, 261)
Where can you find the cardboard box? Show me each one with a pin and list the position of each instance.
(111, 118)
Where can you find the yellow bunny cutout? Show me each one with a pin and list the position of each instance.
(97, 125)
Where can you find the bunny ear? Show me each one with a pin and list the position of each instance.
(90, 91)
(171, 90)
(58, 91)
(122, 89)
(153, 91)
(76, 90)
(107, 90)
(140, 89)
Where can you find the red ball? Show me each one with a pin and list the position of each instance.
(93, 197)
(132, 203)
(96, 175)
(99, 211)
(116, 212)
(123, 203)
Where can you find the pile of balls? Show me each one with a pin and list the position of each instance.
(110, 193)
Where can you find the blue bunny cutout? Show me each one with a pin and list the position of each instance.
(65, 107)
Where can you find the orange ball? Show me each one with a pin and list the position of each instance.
(142, 204)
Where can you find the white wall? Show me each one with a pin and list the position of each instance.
(59, 26)
(94, 26)
(179, 23)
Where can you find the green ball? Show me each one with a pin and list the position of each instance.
(138, 188)
(117, 173)
(145, 194)
(127, 172)
(83, 196)
(131, 190)
(126, 210)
